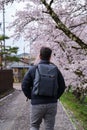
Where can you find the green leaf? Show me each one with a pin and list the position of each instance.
(3, 37)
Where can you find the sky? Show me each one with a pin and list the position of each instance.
(9, 12)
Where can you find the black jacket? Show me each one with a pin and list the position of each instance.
(27, 85)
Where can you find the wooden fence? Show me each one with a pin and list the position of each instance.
(6, 80)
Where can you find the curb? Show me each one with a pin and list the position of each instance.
(7, 94)
(68, 116)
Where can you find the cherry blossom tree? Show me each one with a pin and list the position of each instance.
(61, 25)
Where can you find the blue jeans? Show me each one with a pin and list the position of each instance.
(43, 111)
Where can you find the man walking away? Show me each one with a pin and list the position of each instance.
(44, 85)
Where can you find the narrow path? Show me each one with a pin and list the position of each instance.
(14, 114)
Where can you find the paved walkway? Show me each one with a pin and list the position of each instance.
(14, 113)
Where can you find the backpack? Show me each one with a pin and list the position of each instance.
(46, 80)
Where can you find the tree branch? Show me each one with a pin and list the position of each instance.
(51, 2)
(80, 24)
(63, 27)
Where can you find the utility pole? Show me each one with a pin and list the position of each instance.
(0, 50)
(1, 55)
(4, 30)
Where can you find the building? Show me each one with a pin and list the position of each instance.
(20, 68)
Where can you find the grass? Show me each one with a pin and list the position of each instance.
(76, 110)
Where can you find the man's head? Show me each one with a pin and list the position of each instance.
(45, 53)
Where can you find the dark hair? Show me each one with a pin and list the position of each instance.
(45, 53)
